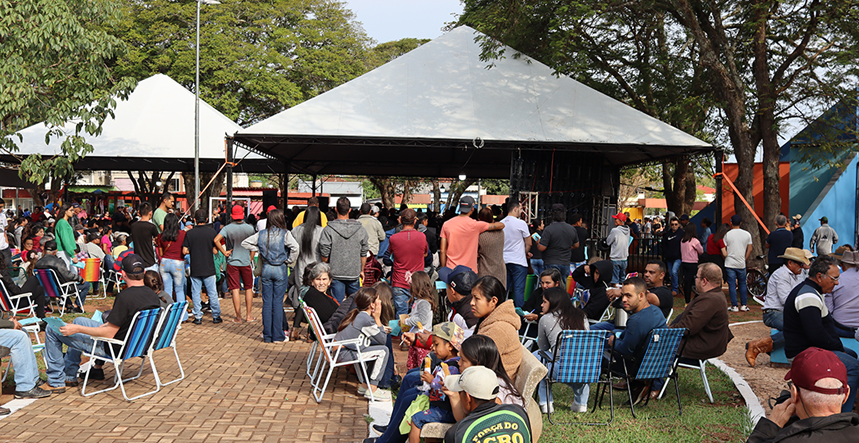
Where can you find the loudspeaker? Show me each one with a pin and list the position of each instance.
(269, 198)
(323, 204)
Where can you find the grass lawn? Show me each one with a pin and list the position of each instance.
(724, 421)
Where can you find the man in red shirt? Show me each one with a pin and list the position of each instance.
(408, 249)
(459, 236)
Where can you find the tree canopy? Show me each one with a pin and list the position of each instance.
(732, 68)
(257, 57)
(56, 56)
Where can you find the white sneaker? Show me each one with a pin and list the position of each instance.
(362, 390)
(744, 308)
(547, 408)
(733, 309)
(579, 408)
(380, 395)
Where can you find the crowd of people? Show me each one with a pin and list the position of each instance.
(369, 272)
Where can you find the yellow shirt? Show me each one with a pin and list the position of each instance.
(300, 219)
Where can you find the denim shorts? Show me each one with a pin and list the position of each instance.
(433, 415)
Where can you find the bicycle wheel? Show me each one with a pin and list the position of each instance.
(757, 285)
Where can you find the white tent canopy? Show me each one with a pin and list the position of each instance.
(444, 91)
(152, 130)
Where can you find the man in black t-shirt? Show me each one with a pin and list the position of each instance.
(62, 370)
(143, 233)
(777, 241)
(558, 241)
(200, 243)
(577, 256)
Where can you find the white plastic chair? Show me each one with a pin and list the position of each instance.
(16, 304)
(701, 366)
(329, 355)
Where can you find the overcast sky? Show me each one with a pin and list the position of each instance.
(386, 20)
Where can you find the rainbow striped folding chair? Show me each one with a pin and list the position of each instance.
(171, 322)
(137, 343)
(56, 291)
(578, 358)
(15, 305)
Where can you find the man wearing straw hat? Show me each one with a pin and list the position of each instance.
(844, 302)
(781, 282)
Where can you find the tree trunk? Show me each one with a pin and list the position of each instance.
(676, 183)
(765, 123)
(387, 190)
(691, 191)
(457, 188)
(436, 195)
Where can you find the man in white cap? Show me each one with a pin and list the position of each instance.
(823, 238)
(486, 420)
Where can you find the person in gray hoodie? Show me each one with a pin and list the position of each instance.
(343, 245)
(618, 241)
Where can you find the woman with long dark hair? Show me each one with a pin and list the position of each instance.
(365, 321)
(559, 314)
(307, 235)
(277, 248)
(690, 249)
(498, 320)
(172, 267)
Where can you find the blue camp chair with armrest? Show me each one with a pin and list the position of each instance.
(170, 324)
(578, 358)
(137, 343)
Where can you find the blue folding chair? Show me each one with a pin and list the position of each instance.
(659, 361)
(170, 324)
(137, 343)
(577, 358)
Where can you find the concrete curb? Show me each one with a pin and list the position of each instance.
(17, 404)
(756, 410)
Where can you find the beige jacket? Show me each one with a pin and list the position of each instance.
(502, 326)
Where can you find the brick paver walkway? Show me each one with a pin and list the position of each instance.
(237, 388)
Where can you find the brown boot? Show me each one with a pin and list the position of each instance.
(753, 348)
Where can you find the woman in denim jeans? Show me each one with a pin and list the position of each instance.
(172, 266)
(277, 248)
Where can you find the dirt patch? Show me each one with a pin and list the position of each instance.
(764, 380)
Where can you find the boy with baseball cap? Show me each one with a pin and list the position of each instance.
(459, 281)
(478, 387)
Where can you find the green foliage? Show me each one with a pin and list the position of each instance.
(496, 186)
(55, 69)
(626, 50)
(257, 57)
(370, 190)
(388, 51)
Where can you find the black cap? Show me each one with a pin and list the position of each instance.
(460, 278)
(684, 217)
(50, 245)
(133, 264)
